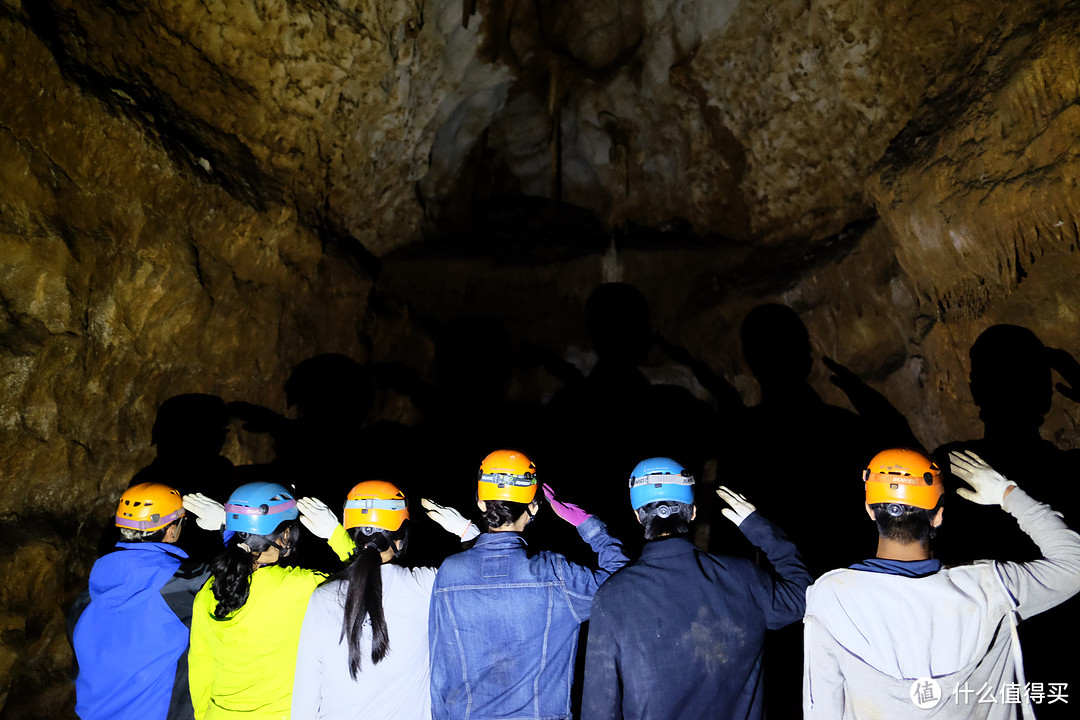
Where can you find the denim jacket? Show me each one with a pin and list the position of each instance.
(504, 627)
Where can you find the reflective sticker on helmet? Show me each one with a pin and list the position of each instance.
(261, 509)
(526, 480)
(375, 504)
(663, 479)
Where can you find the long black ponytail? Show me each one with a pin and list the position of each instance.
(363, 596)
(232, 569)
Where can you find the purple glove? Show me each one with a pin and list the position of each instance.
(567, 511)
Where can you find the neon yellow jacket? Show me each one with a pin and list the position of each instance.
(243, 665)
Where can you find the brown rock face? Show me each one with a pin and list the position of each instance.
(196, 196)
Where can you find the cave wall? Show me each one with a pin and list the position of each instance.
(195, 196)
(125, 279)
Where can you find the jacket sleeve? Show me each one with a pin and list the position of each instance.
(1039, 585)
(308, 681)
(581, 582)
(601, 697)
(342, 545)
(823, 683)
(443, 656)
(200, 662)
(785, 594)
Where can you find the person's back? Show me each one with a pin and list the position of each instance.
(680, 633)
(246, 620)
(899, 632)
(364, 642)
(131, 638)
(504, 626)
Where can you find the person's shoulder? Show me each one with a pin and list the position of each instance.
(419, 579)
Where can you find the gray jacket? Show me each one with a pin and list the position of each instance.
(874, 640)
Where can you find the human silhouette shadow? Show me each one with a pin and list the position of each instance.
(800, 454)
(604, 423)
(330, 445)
(1011, 383)
(800, 460)
(189, 433)
(466, 414)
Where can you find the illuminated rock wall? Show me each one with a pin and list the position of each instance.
(195, 196)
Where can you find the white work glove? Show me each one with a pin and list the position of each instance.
(316, 517)
(209, 514)
(990, 485)
(740, 509)
(450, 520)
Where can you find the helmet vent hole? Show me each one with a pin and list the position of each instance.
(894, 486)
(928, 478)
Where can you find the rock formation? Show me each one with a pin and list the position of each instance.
(196, 196)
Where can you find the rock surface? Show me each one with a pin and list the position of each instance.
(195, 196)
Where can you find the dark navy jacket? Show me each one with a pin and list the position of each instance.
(131, 634)
(679, 633)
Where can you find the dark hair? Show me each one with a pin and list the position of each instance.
(905, 523)
(665, 517)
(232, 569)
(503, 512)
(363, 598)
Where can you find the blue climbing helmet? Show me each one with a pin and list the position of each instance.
(259, 507)
(660, 478)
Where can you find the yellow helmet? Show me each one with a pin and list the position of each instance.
(376, 504)
(507, 475)
(148, 506)
(903, 476)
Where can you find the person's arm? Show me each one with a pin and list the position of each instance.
(823, 682)
(786, 591)
(308, 680)
(601, 697)
(442, 655)
(609, 553)
(323, 523)
(200, 661)
(1038, 585)
(581, 583)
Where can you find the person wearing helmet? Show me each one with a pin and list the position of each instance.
(680, 632)
(131, 627)
(898, 634)
(503, 624)
(372, 607)
(246, 619)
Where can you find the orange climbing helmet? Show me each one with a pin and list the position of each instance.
(148, 507)
(507, 475)
(376, 504)
(906, 477)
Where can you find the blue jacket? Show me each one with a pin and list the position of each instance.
(679, 634)
(503, 626)
(131, 639)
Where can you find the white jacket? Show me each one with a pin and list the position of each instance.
(398, 687)
(870, 636)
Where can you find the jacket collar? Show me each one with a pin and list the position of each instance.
(668, 547)
(500, 541)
